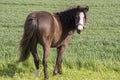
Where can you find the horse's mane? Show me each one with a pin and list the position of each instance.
(67, 17)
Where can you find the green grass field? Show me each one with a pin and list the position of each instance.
(93, 55)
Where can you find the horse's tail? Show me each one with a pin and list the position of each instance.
(28, 38)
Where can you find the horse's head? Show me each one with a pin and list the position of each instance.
(81, 18)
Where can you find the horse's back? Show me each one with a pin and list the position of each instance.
(44, 23)
(42, 17)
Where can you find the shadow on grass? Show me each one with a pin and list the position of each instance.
(9, 70)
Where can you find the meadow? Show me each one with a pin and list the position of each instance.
(92, 55)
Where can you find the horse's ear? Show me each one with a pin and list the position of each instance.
(86, 8)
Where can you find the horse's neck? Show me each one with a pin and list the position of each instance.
(67, 20)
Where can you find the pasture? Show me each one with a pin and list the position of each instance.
(92, 55)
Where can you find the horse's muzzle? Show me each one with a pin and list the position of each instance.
(79, 31)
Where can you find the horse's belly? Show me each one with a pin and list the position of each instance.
(55, 43)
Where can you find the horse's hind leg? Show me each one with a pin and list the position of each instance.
(45, 59)
(36, 59)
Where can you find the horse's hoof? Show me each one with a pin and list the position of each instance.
(60, 72)
(46, 77)
(37, 74)
(55, 73)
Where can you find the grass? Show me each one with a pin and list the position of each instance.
(68, 75)
(93, 55)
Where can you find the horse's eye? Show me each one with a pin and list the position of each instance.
(77, 16)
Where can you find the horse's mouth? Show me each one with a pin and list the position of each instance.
(79, 31)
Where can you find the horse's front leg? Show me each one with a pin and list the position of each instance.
(45, 59)
(58, 66)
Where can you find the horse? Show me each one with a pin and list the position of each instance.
(51, 30)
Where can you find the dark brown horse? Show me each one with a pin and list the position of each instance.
(51, 30)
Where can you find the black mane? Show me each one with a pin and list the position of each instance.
(67, 17)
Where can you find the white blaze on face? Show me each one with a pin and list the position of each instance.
(81, 21)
